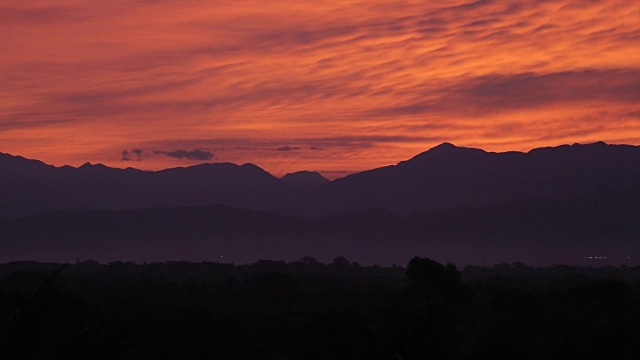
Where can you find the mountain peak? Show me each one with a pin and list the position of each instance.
(256, 169)
(88, 165)
(444, 145)
(595, 144)
(445, 149)
(304, 180)
(304, 177)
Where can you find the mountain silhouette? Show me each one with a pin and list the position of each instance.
(444, 177)
(304, 180)
(95, 186)
(536, 231)
(448, 176)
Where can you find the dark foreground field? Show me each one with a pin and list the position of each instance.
(309, 310)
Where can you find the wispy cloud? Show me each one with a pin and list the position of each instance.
(197, 154)
(129, 155)
(288, 148)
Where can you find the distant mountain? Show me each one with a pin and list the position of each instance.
(25, 189)
(33, 187)
(536, 231)
(448, 176)
(444, 177)
(305, 180)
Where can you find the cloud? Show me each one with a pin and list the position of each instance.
(39, 15)
(288, 148)
(197, 154)
(127, 154)
(503, 93)
(533, 90)
(265, 147)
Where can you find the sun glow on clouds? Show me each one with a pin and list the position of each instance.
(343, 85)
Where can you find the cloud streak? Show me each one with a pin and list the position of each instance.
(197, 154)
(130, 155)
(288, 148)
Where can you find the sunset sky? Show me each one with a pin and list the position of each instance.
(326, 85)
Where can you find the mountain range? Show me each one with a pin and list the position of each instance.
(443, 177)
(556, 204)
(542, 232)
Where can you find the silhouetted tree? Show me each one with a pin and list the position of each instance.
(308, 260)
(340, 260)
(431, 279)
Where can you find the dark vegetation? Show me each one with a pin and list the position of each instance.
(309, 310)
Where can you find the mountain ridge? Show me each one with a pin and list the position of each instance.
(537, 231)
(449, 176)
(445, 176)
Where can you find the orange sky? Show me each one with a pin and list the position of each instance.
(327, 85)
